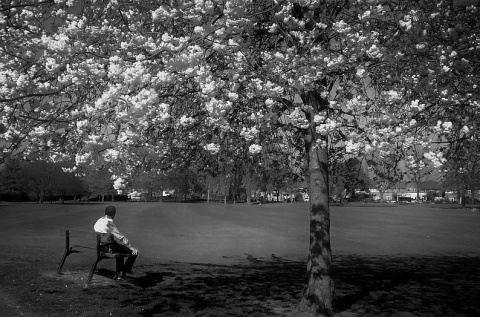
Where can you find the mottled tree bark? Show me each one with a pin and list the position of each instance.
(317, 298)
(318, 294)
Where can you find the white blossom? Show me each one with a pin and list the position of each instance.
(361, 72)
(212, 148)
(186, 121)
(437, 159)
(254, 149)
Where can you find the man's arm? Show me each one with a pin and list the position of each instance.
(112, 228)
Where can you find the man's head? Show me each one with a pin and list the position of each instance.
(110, 211)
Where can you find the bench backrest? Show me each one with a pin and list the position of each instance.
(88, 241)
(81, 239)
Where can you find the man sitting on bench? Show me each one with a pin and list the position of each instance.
(117, 242)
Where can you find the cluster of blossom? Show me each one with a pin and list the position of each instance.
(249, 133)
(94, 143)
(408, 20)
(361, 72)
(82, 158)
(126, 136)
(111, 155)
(268, 87)
(40, 131)
(415, 106)
(162, 113)
(109, 96)
(254, 149)
(212, 148)
(341, 27)
(413, 163)
(134, 74)
(297, 118)
(186, 121)
(162, 14)
(217, 108)
(163, 78)
(354, 105)
(436, 158)
(392, 96)
(142, 102)
(326, 128)
(187, 61)
(443, 126)
(352, 147)
(58, 43)
(119, 183)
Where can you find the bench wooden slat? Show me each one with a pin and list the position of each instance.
(83, 247)
(114, 255)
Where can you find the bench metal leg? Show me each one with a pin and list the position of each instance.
(93, 270)
(62, 262)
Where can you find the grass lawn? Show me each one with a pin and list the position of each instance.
(238, 260)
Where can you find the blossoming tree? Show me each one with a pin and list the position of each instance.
(129, 84)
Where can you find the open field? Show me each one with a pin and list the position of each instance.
(238, 260)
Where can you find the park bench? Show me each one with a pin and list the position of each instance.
(80, 241)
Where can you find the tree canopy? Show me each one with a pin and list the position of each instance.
(133, 84)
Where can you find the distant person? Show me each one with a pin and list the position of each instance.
(118, 243)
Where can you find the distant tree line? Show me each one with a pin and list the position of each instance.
(40, 180)
(46, 181)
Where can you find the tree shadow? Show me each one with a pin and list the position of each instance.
(365, 286)
(150, 279)
(195, 289)
(429, 285)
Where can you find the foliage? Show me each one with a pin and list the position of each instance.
(348, 176)
(462, 170)
(148, 182)
(12, 184)
(43, 179)
(98, 181)
(183, 182)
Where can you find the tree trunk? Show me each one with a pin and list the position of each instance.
(318, 293)
(317, 299)
(248, 187)
(40, 198)
(225, 191)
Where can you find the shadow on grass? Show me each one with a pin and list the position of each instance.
(250, 289)
(433, 286)
(365, 286)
